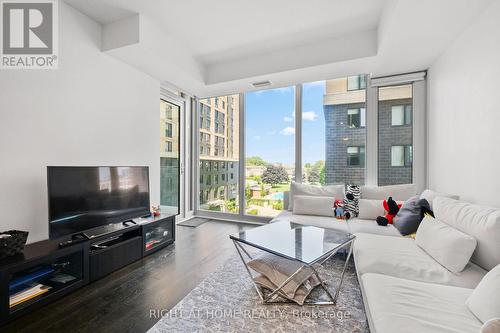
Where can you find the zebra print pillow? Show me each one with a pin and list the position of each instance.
(351, 201)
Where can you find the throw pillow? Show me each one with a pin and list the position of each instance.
(430, 195)
(313, 205)
(426, 211)
(278, 269)
(409, 216)
(302, 292)
(484, 302)
(412, 236)
(445, 244)
(370, 209)
(336, 191)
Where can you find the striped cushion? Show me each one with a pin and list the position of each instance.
(352, 205)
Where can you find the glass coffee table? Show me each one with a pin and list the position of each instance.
(307, 245)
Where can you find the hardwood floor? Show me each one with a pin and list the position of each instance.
(122, 301)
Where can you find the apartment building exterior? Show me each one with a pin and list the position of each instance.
(344, 107)
(219, 149)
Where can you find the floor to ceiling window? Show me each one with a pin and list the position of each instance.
(313, 133)
(269, 149)
(395, 134)
(169, 156)
(219, 154)
(334, 131)
(352, 130)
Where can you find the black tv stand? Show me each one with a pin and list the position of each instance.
(87, 257)
(75, 239)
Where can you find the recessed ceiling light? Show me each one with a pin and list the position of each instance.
(261, 84)
(345, 139)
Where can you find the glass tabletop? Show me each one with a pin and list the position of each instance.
(303, 243)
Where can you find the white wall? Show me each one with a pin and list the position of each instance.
(93, 110)
(464, 113)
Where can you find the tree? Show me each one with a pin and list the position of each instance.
(274, 175)
(255, 161)
(322, 179)
(319, 164)
(248, 193)
(313, 176)
(231, 205)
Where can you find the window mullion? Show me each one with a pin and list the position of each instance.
(241, 164)
(371, 157)
(298, 133)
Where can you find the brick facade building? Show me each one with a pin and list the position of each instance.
(344, 108)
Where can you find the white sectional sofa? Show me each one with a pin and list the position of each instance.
(355, 225)
(404, 288)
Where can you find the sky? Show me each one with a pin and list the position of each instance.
(270, 124)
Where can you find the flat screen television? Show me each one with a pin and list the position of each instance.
(82, 198)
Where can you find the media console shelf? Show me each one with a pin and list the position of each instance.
(109, 253)
(157, 232)
(45, 272)
(42, 274)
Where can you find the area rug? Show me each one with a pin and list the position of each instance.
(193, 222)
(226, 301)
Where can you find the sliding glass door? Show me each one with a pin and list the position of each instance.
(170, 134)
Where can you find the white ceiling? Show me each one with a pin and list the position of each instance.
(214, 47)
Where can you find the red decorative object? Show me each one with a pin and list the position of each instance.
(391, 209)
(338, 207)
(155, 210)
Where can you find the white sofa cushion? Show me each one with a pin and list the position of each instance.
(485, 299)
(317, 221)
(358, 225)
(400, 305)
(482, 223)
(430, 195)
(401, 257)
(448, 246)
(313, 205)
(351, 226)
(370, 209)
(397, 192)
(336, 191)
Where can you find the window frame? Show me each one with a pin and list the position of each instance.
(407, 153)
(419, 124)
(169, 130)
(361, 156)
(407, 120)
(182, 208)
(372, 84)
(361, 115)
(361, 84)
